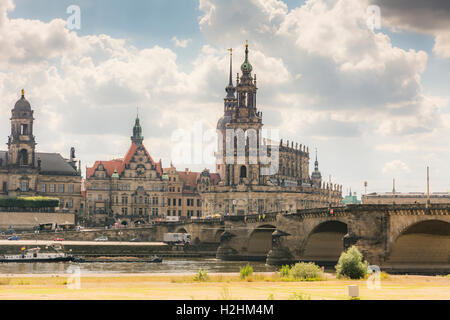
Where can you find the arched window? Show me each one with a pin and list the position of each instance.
(243, 173)
(23, 157)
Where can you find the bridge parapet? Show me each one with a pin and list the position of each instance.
(252, 218)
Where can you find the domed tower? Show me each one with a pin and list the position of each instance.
(240, 127)
(316, 176)
(21, 142)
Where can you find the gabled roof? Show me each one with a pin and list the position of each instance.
(119, 164)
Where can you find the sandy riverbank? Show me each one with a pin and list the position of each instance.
(220, 286)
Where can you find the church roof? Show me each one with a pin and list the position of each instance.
(22, 104)
(51, 163)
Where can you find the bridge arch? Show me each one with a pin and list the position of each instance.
(325, 243)
(421, 243)
(218, 234)
(260, 240)
(181, 230)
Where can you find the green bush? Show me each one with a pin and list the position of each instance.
(351, 264)
(246, 271)
(29, 202)
(202, 275)
(306, 271)
(284, 271)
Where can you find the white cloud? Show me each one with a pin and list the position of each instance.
(181, 43)
(396, 166)
(354, 84)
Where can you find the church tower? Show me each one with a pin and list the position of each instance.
(137, 132)
(240, 129)
(316, 176)
(21, 142)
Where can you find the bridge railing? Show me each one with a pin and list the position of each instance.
(252, 218)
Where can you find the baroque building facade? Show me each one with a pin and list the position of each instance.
(136, 189)
(249, 183)
(130, 189)
(26, 172)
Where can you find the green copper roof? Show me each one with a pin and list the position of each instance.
(246, 67)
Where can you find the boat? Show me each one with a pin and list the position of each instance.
(34, 255)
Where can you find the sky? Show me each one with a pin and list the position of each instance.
(373, 100)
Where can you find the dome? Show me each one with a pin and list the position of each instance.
(22, 104)
(246, 67)
(115, 175)
(221, 124)
(316, 175)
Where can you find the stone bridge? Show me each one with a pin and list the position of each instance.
(398, 238)
(206, 231)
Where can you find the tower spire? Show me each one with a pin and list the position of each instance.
(137, 131)
(230, 89)
(316, 163)
(246, 67)
(231, 67)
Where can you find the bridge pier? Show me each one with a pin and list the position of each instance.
(279, 255)
(225, 251)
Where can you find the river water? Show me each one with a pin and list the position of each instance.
(169, 265)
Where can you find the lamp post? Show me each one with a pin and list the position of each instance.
(428, 187)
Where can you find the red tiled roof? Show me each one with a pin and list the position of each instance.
(189, 178)
(215, 177)
(119, 164)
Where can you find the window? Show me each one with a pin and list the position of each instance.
(198, 203)
(168, 201)
(43, 187)
(174, 202)
(61, 188)
(23, 157)
(23, 129)
(199, 213)
(243, 173)
(23, 185)
(140, 211)
(124, 211)
(5, 187)
(99, 197)
(124, 200)
(140, 199)
(155, 200)
(52, 187)
(70, 203)
(71, 188)
(179, 213)
(179, 202)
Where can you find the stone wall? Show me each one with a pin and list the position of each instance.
(27, 220)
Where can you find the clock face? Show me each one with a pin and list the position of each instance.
(140, 170)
